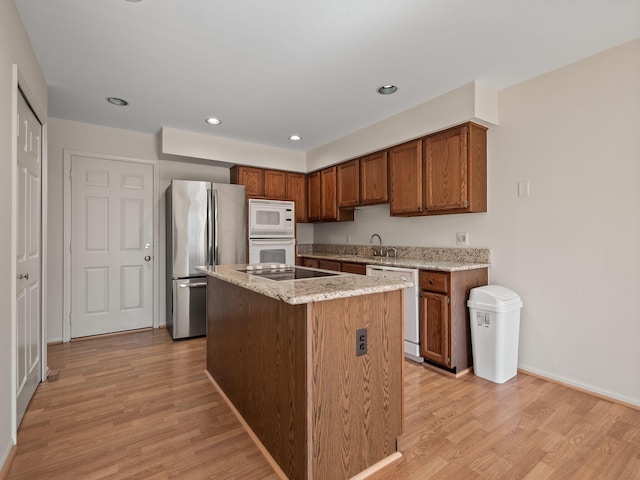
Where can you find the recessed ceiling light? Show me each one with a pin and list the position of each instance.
(295, 138)
(213, 121)
(117, 101)
(387, 89)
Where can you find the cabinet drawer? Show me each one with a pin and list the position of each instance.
(358, 268)
(329, 265)
(434, 281)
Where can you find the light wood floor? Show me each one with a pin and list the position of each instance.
(138, 406)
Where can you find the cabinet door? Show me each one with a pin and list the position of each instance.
(297, 191)
(251, 177)
(405, 167)
(434, 327)
(328, 201)
(329, 265)
(373, 179)
(349, 184)
(310, 262)
(350, 267)
(313, 186)
(275, 184)
(446, 170)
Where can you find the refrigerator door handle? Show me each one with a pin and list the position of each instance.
(214, 225)
(209, 239)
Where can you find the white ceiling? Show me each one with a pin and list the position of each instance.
(271, 68)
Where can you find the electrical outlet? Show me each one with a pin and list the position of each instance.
(362, 342)
(348, 238)
(462, 238)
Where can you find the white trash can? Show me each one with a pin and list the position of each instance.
(494, 312)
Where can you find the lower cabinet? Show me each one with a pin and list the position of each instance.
(358, 268)
(325, 264)
(308, 262)
(329, 265)
(445, 335)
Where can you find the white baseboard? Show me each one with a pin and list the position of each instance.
(6, 460)
(569, 382)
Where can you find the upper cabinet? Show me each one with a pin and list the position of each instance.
(441, 173)
(297, 191)
(348, 184)
(373, 179)
(445, 172)
(275, 184)
(329, 210)
(406, 179)
(322, 195)
(251, 177)
(314, 197)
(455, 170)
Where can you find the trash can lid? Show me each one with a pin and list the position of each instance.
(494, 296)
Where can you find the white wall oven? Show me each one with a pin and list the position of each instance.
(272, 232)
(272, 250)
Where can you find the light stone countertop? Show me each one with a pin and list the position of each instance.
(306, 290)
(420, 263)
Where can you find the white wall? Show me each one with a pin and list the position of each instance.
(15, 48)
(227, 151)
(472, 101)
(64, 134)
(571, 248)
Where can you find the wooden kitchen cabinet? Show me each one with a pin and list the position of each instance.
(328, 189)
(314, 197)
(309, 262)
(251, 177)
(350, 267)
(405, 179)
(322, 195)
(297, 192)
(455, 170)
(445, 336)
(374, 179)
(275, 184)
(348, 184)
(329, 265)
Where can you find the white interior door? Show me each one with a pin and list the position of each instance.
(111, 246)
(28, 257)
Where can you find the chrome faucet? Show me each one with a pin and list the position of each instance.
(376, 252)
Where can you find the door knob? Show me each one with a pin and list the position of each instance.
(25, 276)
(147, 258)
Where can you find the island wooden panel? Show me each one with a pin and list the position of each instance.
(356, 407)
(256, 352)
(292, 373)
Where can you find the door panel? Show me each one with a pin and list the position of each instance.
(28, 257)
(111, 235)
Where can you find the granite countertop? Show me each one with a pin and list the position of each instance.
(421, 263)
(305, 290)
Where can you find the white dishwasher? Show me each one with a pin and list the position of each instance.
(411, 329)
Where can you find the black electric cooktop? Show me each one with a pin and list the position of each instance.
(286, 273)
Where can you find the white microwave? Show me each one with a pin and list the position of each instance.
(271, 219)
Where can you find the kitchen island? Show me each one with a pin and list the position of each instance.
(290, 356)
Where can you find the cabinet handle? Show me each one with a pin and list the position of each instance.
(431, 282)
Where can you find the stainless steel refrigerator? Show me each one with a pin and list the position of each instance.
(206, 225)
